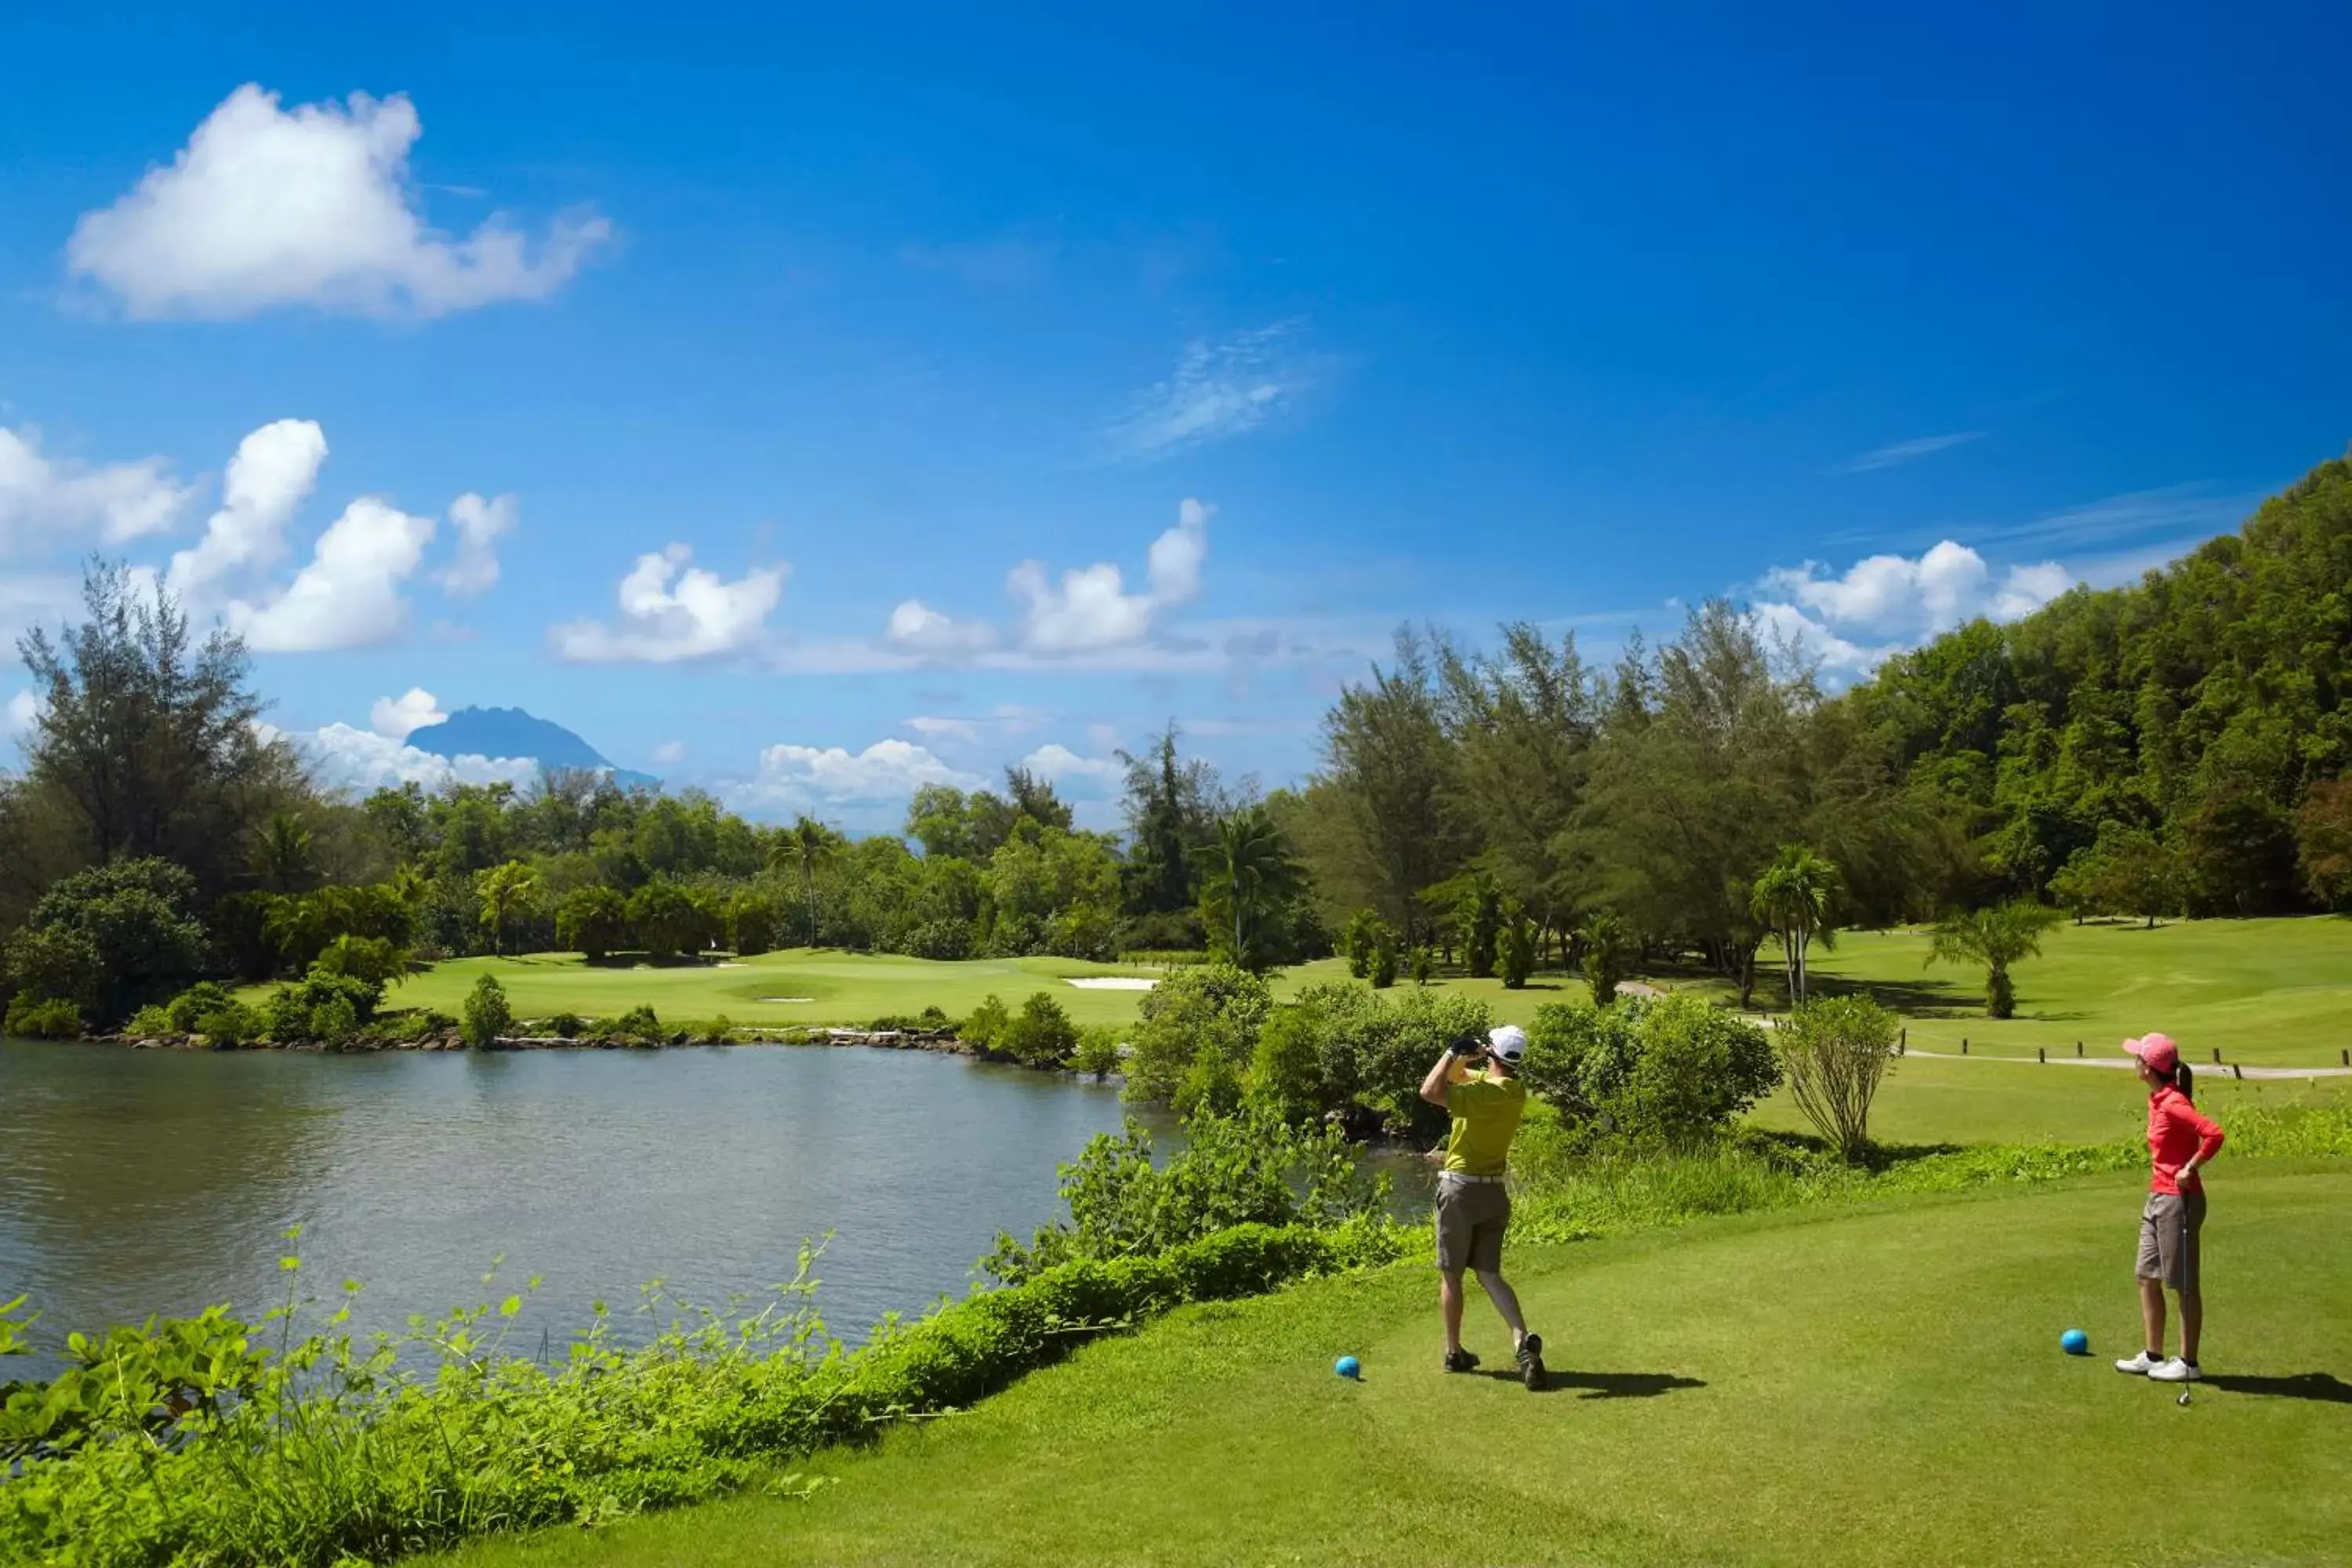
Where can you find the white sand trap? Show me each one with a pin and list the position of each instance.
(1114, 983)
(787, 998)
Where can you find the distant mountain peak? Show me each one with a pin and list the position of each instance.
(512, 732)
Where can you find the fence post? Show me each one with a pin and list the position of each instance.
(2236, 1071)
(2078, 1048)
(2217, 1056)
(2039, 1055)
(2347, 1057)
(1903, 1039)
(1964, 1044)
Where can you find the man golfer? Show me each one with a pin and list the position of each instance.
(1477, 1086)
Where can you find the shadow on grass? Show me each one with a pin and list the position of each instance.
(647, 961)
(2324, 1388)
(1606, 1385)
(1914, 998)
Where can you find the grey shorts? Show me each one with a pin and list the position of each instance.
(2167, 1237)
(1471, 1218)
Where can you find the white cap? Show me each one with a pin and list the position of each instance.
(1507, 1041)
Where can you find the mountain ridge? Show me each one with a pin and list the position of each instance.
(515, 733)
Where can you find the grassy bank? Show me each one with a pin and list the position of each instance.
(1893, 1393)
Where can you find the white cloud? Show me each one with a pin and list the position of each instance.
(267, 207)
(1885, 602)
(669, 752)
(809, 778)
(24, 711)
(479, 523)
(1057, 762)
(1218, 390)
(1090, 609)
(349, 596)
(1901, 452)
(700, 617)
(43, 497)
(273, 472)
(397, 717)
(341, 757)
(919, 629)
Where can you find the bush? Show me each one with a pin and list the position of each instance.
(667, 920)
(1375, 1052)
(1518, 951)
(1097, 1052)
(487, 1015)
(1384, 961)
(232, 1025)
(193, 1002)
(1286, 1075)
(1042, 1035)
(752, 923)
(1669, 1071)
(567, 1026)
(1424, 966)
(1205, 1007)
(1607, 948)
(42, 1017)
(1834, 1052)
(1359, 939)
(986, 1028)
(321, 1006)
(1232, 1170)
(1210, 1087)
(150, 1022)
(637, 1027)
(109, 938)
(377, 961)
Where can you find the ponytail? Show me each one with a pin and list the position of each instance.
(2184, 1079)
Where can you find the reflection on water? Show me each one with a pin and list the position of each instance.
(139, 1181)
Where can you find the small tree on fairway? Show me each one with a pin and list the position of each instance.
(592, 922)
(1486, 923)
(1996, 938)
(1793, 897)
(1607, 946)
(1518, 949)
(1041, 1035)
(506, 891)
(1833, 1054)
(1359, 939)
(487, 1015)
(1385, 958)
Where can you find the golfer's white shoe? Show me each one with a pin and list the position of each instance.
(2141, 1365)
(2176, 1371)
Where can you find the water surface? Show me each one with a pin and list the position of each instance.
(139, 1181)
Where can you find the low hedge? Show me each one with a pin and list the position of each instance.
(331, 1453)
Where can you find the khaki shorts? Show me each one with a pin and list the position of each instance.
(2167, 1237)
(1471, 1217)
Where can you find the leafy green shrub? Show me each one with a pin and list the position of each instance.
(752, 923)
(42, 1017)
(1608, 948)
(986, 1029)
(1518, 951)
(1098, 1051)
(1206, 1007)
(592, 922)
(108, 939)
(193, 1002)
(375, 960)
(1286, 1072)
(1359, 939)
(1252, 1168)
(1210, 1087)
(1834, 1052)
(149, 1021)
(232, 1024)
(1669, 1070)
(1042, 1035)
(1424, 964)
(567, 1026)
(487, 1015)
(406, 1027)
(667, 920)
(1384, 960)
(637, 1027)
(1374, 1051)
(321, 1006)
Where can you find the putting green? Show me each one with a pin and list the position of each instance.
(1833, 1386)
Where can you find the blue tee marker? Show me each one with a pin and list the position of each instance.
(1349, 1367)
(2076, 1341)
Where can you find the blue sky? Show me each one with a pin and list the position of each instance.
(804, 330)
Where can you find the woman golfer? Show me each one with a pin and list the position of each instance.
(2181, 1141)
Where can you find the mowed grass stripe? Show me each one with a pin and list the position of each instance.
(1825, 1387)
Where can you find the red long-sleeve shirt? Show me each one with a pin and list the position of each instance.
(2176, 1129)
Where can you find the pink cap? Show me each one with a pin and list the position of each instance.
(2156, 1051)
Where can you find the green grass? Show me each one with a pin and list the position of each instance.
(1825, 1387)
(844, 988)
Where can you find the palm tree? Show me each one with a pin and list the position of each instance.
(282, 855)
(1995, 938)
(1793, 898)
(806, 842)
(504, 889)
(409, 885)
(1251, 871)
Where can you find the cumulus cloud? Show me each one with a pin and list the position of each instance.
(1897, 453)
(479, 523)
(669, 752)
(885, 775)
(313, 207)
(396, 717)
(919, 629)
(349, 596)
(1884, 603)
(343, 758)
(43, 498)
(1089, 609)
(1057, 762)
(24, 711)
(1218, 390)
(662, 622)
(272, 474)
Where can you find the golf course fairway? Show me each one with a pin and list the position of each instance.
(1867, 1384)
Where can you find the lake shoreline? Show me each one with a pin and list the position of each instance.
(944, 1042)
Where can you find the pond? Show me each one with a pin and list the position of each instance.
(141, 1182)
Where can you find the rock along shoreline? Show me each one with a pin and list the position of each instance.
(940, 1040)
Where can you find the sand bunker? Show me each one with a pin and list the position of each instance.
(1114, 983)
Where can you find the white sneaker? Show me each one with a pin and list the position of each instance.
(2176, 1371)
(2141, 1365)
